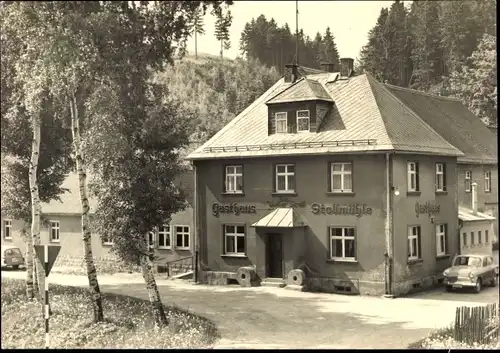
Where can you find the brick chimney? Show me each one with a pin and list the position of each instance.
(328, 66)
(474, 197)
(291, 73)
(346, 67)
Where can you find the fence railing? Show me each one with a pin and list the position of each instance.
(472, 324)
(184, 263)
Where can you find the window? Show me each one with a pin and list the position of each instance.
(151, 239)
(441, 239)
(106, 240)
(285, 178)
(341, 177)
(342, 243)
(440, 177)
(7, 229)
(479, 237)
(413, 176)
(182, 237)
(486, 237)
(472, 238)
(281, 123)
(234, 240)
(468, 178)
(464, 239)
(164, 237)
(234, 179)
(414, 242)
(54, 232)
(303, 121)
(487, 181)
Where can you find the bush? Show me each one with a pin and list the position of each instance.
(129, 322)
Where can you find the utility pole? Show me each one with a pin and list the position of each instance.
(297, 33)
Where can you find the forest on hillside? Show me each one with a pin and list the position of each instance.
(441, 47)
(214, 91)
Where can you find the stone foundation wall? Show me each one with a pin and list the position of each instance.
(216, 277)
(338, 285)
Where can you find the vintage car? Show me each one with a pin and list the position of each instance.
(12, 256)
(471, 271)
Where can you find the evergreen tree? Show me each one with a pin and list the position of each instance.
(222, 26)
(374, 54)
(197, 28)
(427, 54)
(328, 49)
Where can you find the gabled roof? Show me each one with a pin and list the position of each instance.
(302, 90)
(454, 122)
(366, 116)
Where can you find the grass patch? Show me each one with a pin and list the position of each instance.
(129, 322)
(443, 339)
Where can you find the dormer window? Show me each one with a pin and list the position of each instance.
(281, 122)
(303, 123)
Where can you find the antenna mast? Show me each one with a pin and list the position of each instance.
(297, 33)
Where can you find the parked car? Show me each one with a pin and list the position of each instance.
(12, 256)
(471, 271)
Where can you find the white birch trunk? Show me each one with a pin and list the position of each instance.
(86, 234)
(154, 296)
(35, 200)
(30, 294)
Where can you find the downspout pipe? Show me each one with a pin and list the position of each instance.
(196, 267)
(388, 226)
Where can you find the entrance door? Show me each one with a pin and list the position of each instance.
(274, 250)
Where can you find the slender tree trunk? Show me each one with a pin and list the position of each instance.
(30, 294)
(35, 201)
(221, 50)
(86, 235)
(195, 44)
(35, 278)
(154, 296)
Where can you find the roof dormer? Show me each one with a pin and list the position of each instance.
(298, 108)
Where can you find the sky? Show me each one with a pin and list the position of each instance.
(349, 22)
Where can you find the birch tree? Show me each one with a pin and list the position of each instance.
(57, 60)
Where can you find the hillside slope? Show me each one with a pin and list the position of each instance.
(216, 90)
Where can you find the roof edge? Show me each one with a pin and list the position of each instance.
(448, 98)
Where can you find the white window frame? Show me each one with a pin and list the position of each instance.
(231, 173)
(7, 224)
(342, 174)
(440, 177)
(285, 174)
(304, 118)
(343, 238)
(55, 225)
(411, 237)
(280, 117)
(166, 231)
(487, 181)
(441, 236)
(468, 180)
(412, 176)
(186, 236)
(235, 235)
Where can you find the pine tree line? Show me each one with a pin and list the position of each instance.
(275, 46)
(441, 47)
